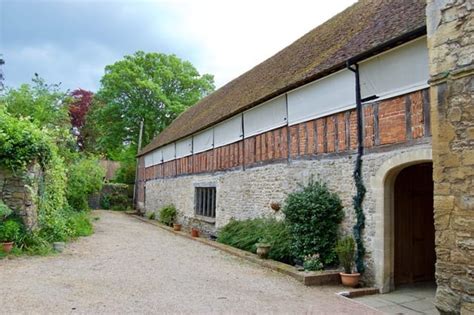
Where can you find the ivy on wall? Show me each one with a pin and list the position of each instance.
(360, 217)
(23, 143)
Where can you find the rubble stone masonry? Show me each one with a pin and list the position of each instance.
(19, 191)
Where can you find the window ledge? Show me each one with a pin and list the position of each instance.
(205, 219)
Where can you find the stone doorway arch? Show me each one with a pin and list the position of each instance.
(383, 187)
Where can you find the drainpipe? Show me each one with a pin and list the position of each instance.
(358, 199)
(135, 190)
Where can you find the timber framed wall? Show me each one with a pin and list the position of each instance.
(402, 119)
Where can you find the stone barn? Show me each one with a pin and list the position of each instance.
(352, 94)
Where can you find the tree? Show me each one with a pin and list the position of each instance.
(2, 62)
(153, 87)
(41, 103)
(46, 106)
(78, 108)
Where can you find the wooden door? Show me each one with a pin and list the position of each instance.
(414, 225)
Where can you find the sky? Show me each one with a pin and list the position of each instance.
(71, 41)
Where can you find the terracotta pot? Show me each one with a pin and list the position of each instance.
(7, 247)
(194, 232)
(176, 227)
(350, 279)
(263, 250)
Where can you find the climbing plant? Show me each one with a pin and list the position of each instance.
(360, 217)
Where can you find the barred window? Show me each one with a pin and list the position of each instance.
(205, 201)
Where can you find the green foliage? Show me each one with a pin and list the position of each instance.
(105, 202)
(46, 107)
(247, 233)
(168, 214)
(345, 249)
(312, 262)
(126, 172)
(116, 196)
(10, 231)
(22, 142)
(80, 225)
(313, 215)
(357, 201)
(43, 104)
(5, 211)
(152, 87)
(34, 128)
(85, 177)
(31, 243)
(151, 216)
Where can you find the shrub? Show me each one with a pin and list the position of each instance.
(312, 262)
(151, 215)
(247, 233)
(85, 177)
(168, 214)
(80, 225)
(32, 243)
(126, 172)
(5, 211)
(345, 250)
(10, 231)
(116, 196)
(313, 215)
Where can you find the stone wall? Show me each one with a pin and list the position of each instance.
(19, 190)
(243, 194)
(451, 46)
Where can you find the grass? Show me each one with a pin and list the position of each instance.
(32, 244)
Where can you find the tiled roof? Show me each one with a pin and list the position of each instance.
(360, 28)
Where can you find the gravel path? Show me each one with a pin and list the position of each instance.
(129, 266)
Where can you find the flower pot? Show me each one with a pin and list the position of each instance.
(350, 279)
(58, 246)
(263, 250)
(176, 227)
(194, 232)
(7, 247)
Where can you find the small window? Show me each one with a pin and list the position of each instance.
(205, 201)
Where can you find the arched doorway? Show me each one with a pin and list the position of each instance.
(383, 186)
(414, 245)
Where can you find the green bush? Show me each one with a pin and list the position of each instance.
(313, 215)
(5, 211)
(10, 231)
(32, 243)
(126, 172)
(312, 263)
(80, 225)
(345, 249)
(168, 214)
(151, 215)
(116, 196)
(247, 233)
(85, 177)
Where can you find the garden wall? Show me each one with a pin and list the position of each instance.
(19, 192)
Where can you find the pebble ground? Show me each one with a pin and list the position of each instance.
(130, 267)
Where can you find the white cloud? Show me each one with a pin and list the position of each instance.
(232, 37)
(224, 38)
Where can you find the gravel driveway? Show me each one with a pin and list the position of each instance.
(129, 266)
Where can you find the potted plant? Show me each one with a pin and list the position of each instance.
(194, 232)
(9, 232)
(263, 248)
(176, 226)
(345, 250)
